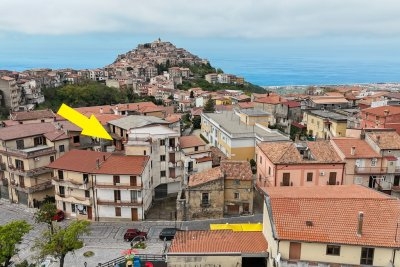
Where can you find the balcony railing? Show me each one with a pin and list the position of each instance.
(71, 183)
(119, 202)
(117, 185)
(39, 187)
(25, 153)
(370, 170)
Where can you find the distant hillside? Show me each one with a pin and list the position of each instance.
(160, 56)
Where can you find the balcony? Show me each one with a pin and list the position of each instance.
(31, 152)
(39, 187)
(71, 183)
(68, 197)
(117, 186)
(370, 170)
(38, 171)
(119, 202)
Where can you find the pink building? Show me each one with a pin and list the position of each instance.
(386, 117)
(289, 164)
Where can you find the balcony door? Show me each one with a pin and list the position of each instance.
(332, 178)
(286, 179)
(133, 181)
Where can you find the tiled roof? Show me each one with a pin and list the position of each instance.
(205, 176)
(387, 139)
(217, 155)
(172, 118)
(292, 104)
(287, 152)
(25, 130)
(105, 118)
(32, 115)
(329, 100)
(56, 135)
(329, 214)
(362, 148)
(85, 161)
(218, 241)
(246, 105)
(380, 111)
(236, 169)
(271, 99)
(190, 141)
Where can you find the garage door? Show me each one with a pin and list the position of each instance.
(233, 209)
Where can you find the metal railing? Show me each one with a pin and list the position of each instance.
(120, 261)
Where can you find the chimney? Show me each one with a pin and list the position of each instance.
(360, 223)
(98, 163)
(386, 112)
(101, 110)
(104, 157)
(353, 150)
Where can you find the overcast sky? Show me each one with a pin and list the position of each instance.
(217, 18)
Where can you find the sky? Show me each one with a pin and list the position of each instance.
(205, 28)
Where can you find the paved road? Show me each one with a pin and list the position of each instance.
(106, 238)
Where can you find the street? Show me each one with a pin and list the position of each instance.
(106, 238)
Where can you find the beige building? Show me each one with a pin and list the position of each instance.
(237, 140)
(227, 189)
(10, 93)
(26, 150)
(101, 186)
(347, 225)
(223, 248)
(325, 124)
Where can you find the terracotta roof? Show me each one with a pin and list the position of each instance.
(237, 169)
(205, 176)
(6, 78)
(298, 125)
(362, 148)
(217, 155)
(203, 159)
(286, 152)
(25, 130)
(380, 111)
(329, 99)
(244, 105)
(190, 141)
(172, 118)
(218, 241)
(105, 118)
(95, 110)
(292, 104)
(387, 139)
(196, 111)
(329, 214)
(32, 115)
(85, 161)
(56, 135)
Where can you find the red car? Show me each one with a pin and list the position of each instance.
(136, 234)
(59, 216)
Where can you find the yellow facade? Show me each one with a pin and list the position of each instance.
(321, 129)
(242, 153)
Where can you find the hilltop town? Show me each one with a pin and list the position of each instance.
(323, 164)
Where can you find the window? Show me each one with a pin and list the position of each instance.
(162, 173)
(205, 198)
(61, 189)
(144, 152)
(40, 140)
(269, 170)
(162, 157)
(117, 195)
(309, 176)
(367, 256)
(196, 148)
(260, 159)
(19, 164)
(162, 142)
(118, 211)
(237, 181)
(116, 179)
(373, 162)
(236, 195)
(72, 207)
(20, 143)
(60, 175)
(76, 139)
(87, 193)
(51, 158)
(61, 148)
(85, 178)
(333, 250)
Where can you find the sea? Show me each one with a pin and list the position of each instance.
(261, 63)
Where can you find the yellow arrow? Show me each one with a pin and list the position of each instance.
(90, 126)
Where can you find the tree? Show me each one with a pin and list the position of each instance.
(62, 241)
(10, 235)
(45, 214)
(196, 122)
(209, 106)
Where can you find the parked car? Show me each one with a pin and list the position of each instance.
(168, 233)
(59, 216)
(136, 234)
